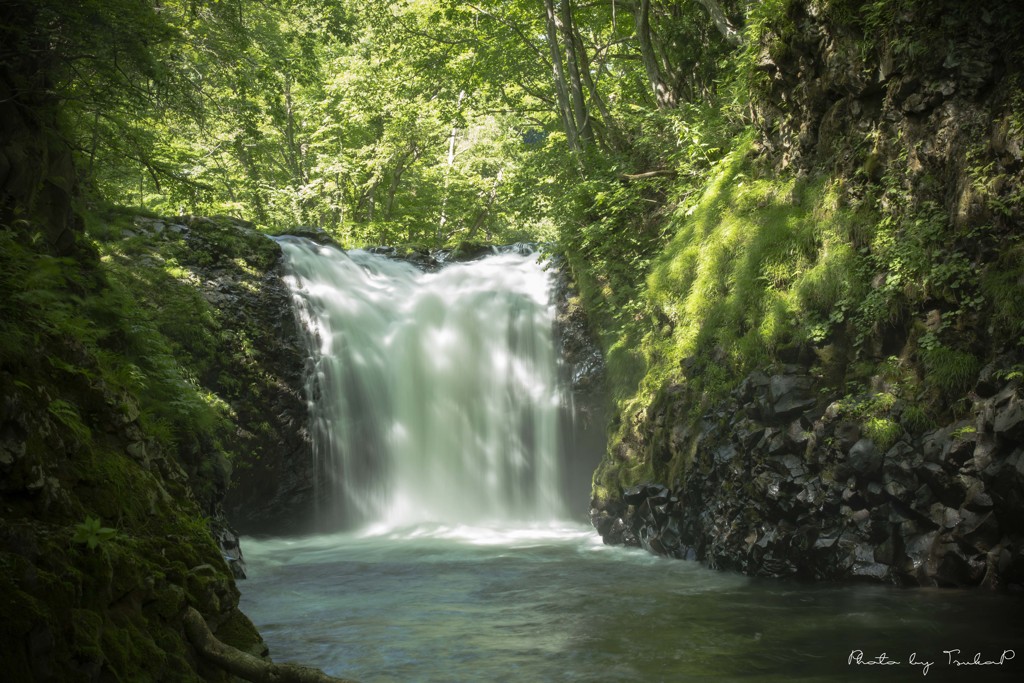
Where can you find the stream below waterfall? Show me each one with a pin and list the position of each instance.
(439, 426)
(551, 603)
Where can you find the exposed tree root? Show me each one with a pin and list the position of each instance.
(243, 664)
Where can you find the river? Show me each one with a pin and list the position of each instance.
(551, 603)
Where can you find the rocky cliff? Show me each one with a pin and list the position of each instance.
(869, 428)
(217, 285)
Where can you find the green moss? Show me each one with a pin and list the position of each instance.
(1002, 284)
(87, 634)
(916, 419)
(756, 266)
(130, 651)
(237, 631)
(949, 370)
(883, 431)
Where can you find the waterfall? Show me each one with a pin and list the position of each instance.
(433, 396)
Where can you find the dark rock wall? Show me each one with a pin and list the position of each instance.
(255, 363)
(113, 610)
(582, 369)
(919, 111)
(104, 539)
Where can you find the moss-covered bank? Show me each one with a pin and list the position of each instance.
(214, 290)
(105, 539)
(862, 236)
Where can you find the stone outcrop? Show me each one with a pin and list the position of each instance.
(783, 484)
(255, 363)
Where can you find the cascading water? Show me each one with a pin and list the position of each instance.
(433, 396)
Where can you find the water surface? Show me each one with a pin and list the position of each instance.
(551, 603)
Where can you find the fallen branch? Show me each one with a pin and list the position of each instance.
(665, 172)
(244, 665)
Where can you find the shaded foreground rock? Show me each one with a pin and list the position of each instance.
(252, 358)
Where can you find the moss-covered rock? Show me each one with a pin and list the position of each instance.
(859, 230)
(100, 521)
(214, 287)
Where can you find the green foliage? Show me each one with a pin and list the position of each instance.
(759, 264)
(67, 414)
(92, 533)
(883, 431)
(950, 370)
(915, 419)
(1002, 285)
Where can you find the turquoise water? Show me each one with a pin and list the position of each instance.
(551, 603)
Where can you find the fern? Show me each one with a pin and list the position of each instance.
(66, 413)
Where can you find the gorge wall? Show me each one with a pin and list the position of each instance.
(862, 419)
(216, 285)
(110, 478)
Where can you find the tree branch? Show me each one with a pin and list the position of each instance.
(661, 172)
(721, 22)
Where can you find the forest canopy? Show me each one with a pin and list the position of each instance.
(426, 121)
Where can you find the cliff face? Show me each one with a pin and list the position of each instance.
(103, 543)
(108, 473)
(871, 426)
(215, 286)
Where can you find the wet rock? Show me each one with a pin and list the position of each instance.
(1008, 422)
(955, 568)
(314, 233)
(788, 396)
(847, 434)
(929, 511)
(657, 494)
(864, 458)
(752, 386)
(798, 435)
(635, 495)
(725, 454)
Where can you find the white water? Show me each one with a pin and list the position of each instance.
(433, 396)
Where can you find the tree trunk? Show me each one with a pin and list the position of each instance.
(244, 665)
(482, 214)
(395, 177)
(295, 160)
(579, 105)
(613, 136)
(721, 22)
(443, 219)
(38, 179)
(561, 90)
(663, 95)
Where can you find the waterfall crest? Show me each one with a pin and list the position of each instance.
(433, 397)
